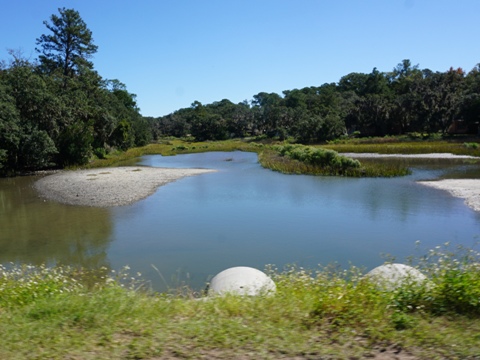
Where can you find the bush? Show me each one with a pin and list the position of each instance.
(318, 157)
(471, 145)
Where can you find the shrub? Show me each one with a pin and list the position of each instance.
(318, 157)
(471, 145)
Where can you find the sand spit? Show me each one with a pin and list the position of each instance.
(413, 156)
(468, 189)
(106, 187)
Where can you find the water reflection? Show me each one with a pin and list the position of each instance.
(243, 214)
(247, 215)
(40, 232)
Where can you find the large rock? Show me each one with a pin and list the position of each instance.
(392, 276)
(241, 280)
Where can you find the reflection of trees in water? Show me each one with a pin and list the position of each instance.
(35, 232)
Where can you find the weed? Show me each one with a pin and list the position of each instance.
(57, 313)
(471, 145)
(299, 159)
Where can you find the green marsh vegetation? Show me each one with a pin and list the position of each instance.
(406, 145)
(49, 313)
(300, 159)
(323, 159)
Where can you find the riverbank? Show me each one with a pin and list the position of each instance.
(117, 186)
(46, 313)
(413, 156)
(467, 189)
(113, 186)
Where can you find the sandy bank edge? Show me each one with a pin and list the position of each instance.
(414, 156)
(105, 187)
(468, 189)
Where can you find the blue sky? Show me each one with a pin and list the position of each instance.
(173, 52)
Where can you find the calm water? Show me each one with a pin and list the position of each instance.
(241, 215)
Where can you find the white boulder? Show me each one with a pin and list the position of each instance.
(241, 280)
(392, 276)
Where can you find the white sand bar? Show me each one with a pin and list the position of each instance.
(106, 187)
(413, 156)
(468, 189)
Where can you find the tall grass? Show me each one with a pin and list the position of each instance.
(320, 313)
(406, 147)
(314, 161)
(172, 147)
(299, 159)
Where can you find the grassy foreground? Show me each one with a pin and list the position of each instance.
(330, 313)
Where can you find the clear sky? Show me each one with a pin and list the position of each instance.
(173, 52)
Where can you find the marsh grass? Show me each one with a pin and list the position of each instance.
(172, 147)
(48, 313)
(272, 157)
(394, 146)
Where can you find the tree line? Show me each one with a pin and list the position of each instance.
(56, 110)
(405, 100)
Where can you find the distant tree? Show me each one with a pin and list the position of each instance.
(470, 106)
(69, 46)
(267, 108)
(356, 82)
(405, 81)
(206, 125)
(9, 131)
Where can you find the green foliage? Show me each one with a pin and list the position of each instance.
(22, 285)
(123, 137)
(407, 100)
(300, 159)
(69, 45)
(402, 145)
(318, 157)
(58, 313)
(53, 113)
(471, 145)
(455, 276)
(9, 131)
(36, 149)
(75, 144)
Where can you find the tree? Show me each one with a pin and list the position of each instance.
(268, 112)
(206, 125)
(69, 46)
(470, 106)
(9, 131)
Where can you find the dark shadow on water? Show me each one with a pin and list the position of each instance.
(35, 231)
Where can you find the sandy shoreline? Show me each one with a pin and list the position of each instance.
(107, 187)
(467, 189)
(119, 186)
(413, 156)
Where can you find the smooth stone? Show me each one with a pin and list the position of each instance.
(241, 280)
(392, 276)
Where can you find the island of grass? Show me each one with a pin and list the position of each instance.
(322, 159)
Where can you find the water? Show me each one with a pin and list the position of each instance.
(241, 215)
